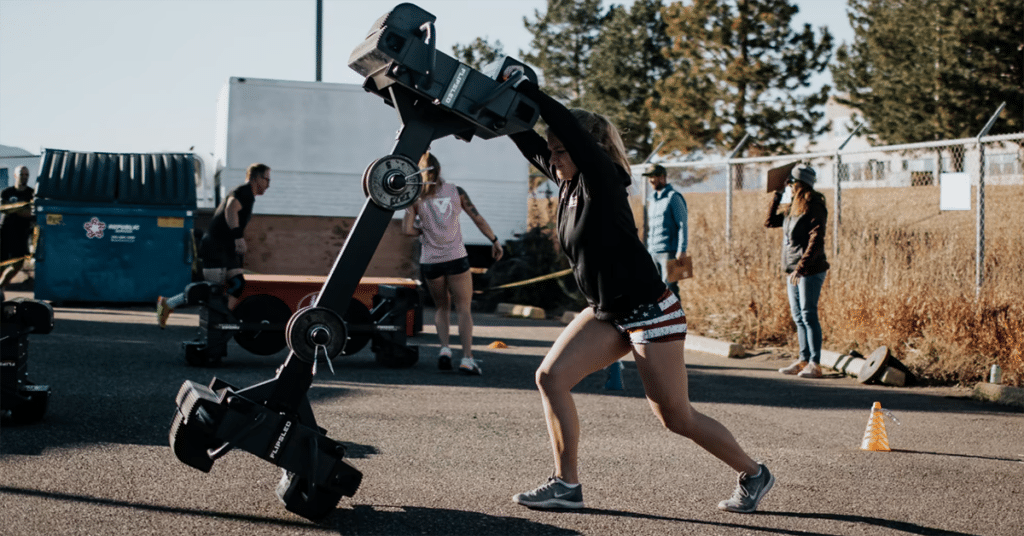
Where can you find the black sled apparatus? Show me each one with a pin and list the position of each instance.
(435, 96)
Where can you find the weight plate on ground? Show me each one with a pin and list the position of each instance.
(262, 309)
(386, 184)
(313, 331)
(359, 325)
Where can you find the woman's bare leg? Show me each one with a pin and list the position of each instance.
(461, 286)
(663, 372)
(442, 303)
(584, 347)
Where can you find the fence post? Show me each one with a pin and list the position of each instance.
(979, 257)
(837, 197)
(728, 189)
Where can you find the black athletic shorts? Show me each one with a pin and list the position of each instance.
(216, 254)
(441, 269)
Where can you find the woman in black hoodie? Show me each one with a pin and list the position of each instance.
(630, 308)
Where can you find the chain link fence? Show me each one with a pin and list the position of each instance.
(921, 188)
(925, 242)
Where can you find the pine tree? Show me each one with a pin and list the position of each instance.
(626, 62)
(563, 41)
(739, 67)
(478, 53)
(933, 69)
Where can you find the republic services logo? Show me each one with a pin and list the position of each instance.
(94, 228)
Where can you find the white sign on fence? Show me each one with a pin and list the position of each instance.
(955, 191)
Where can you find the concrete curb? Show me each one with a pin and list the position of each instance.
(520, 311)
(1000, 394)
(697, 343)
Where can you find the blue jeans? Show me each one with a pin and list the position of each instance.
(661, 261)
(803, 304)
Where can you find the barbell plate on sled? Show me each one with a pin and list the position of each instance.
(313, 331)
(357, 315)
(392, 182)
(262, 309)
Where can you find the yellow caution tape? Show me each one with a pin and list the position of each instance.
(558, 274)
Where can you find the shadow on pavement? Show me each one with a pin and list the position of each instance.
(901, 526)
(388, 520)
(115, 382)
(908, 528)
(96, 501)
(359, 519)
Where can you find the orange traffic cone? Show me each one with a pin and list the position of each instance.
(875, 437)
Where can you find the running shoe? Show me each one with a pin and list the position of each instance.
(553, 494)
(749, 491)
(163, 312)
(795, 368)
(812, 370)
(444, 358)
(470, 366)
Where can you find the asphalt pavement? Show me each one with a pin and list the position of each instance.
(442, 453)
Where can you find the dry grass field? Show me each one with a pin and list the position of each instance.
(904, 278)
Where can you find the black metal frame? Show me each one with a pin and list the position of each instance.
(22, 401)
(435, 96)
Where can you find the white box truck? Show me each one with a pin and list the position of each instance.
(319, 137)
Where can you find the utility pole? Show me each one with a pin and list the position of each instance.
(319, 39)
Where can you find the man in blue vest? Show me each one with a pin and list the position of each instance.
(666, 222)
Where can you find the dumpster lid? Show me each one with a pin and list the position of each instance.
(163, 179)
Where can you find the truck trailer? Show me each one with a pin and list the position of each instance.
(318, 138)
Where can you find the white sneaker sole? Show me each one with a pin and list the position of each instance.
(767, 488)
(551, 504)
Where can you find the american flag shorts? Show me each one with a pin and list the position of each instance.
(663, 321)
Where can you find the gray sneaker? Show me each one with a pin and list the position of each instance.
(468, 365)
(749, 492)
(553, 494)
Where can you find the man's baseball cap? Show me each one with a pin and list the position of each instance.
(654, 170)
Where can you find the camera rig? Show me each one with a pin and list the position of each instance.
(435, 96)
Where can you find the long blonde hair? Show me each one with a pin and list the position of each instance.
(803, 196)
(604, 131)
(432, 178)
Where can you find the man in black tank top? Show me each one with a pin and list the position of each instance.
(223, 246)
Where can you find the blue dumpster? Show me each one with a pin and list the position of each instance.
(114, 227)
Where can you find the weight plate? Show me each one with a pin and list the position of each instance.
(315, 330)
(359, 325)
(263, 309)
(386, 184)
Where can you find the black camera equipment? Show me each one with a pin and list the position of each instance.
(21, 401)
(435, 96)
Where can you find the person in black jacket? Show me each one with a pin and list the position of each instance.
(803, 259)
(16, 229)
(631, 310)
